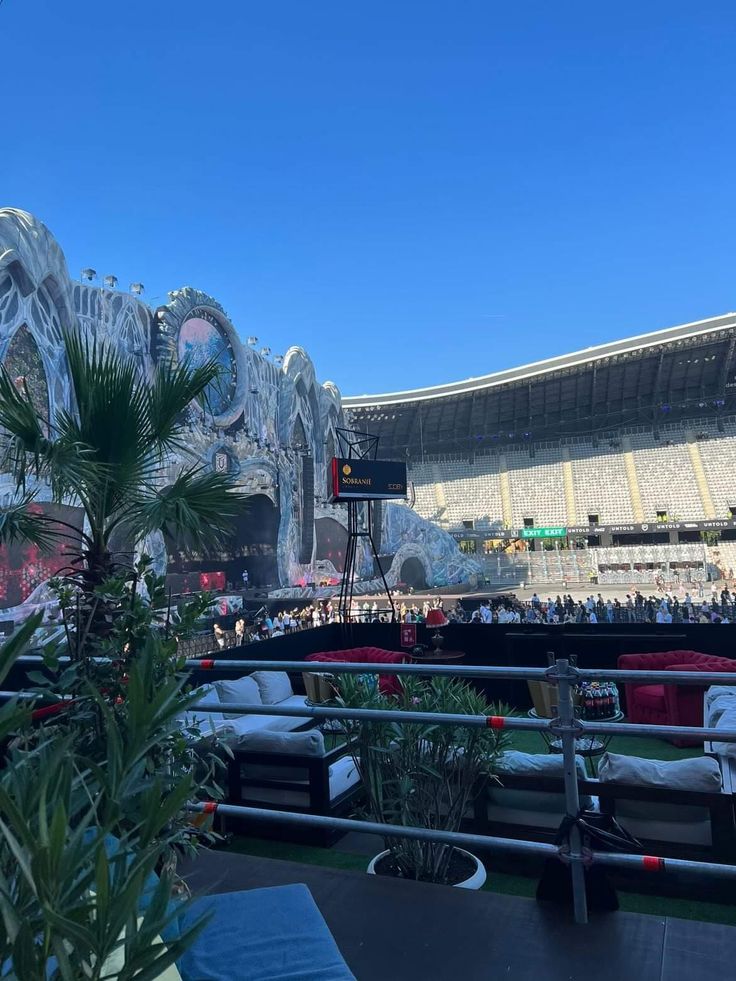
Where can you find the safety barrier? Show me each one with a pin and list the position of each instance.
(561, 673)
(565, 726)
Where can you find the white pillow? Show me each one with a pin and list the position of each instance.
(309, 743)
(716, 692)
(274, 686)
(727, 720)
(243, 691)
(701, 773)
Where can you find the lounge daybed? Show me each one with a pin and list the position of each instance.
(678, 808)
(278, 762)
(719, 712)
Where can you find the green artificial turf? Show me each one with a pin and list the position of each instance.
(498, 882)
(649, 748)
(518, 885)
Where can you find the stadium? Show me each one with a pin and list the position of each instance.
(614, 463)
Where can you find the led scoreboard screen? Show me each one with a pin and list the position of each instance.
(367, 480)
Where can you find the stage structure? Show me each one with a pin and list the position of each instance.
(359, 479)
(268, 422)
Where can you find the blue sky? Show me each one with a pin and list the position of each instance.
(415, 192)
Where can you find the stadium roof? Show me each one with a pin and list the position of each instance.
(679, 371)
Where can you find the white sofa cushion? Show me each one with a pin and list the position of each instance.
(309, 743)
(274, 686)
(239, 691)
(716, 692)
(515, 763)
(279, 723)
(207, 722)
(701, 773)
(343, 775)
(717, 700)
(726, 720)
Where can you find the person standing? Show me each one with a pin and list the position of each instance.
(246, 578)
(239, 631)
(219, 635)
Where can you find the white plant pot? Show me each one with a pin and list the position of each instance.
(476, 880)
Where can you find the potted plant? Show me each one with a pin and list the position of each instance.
(422, 775)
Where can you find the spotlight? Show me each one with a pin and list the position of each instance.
(137, 288)
(110, 282)
(252, 341)
(88, 274)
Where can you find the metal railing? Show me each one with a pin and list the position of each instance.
(564, 675)
(565, 726)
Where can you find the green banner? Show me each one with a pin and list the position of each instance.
(544, 532)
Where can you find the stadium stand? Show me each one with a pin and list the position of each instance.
(452, 491)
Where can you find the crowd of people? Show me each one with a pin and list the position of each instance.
(719, 607)
(635, 607)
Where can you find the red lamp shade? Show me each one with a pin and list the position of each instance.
(436, 618)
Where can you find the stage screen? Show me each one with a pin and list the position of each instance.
(24, 566)
(367, 480)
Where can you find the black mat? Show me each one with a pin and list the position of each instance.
(389, 930)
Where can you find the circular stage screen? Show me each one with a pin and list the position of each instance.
(202, 338)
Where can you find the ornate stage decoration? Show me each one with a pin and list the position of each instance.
(267, 421)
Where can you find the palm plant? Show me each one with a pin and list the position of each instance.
(106, 454)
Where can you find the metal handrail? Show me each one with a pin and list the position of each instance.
(565, 726)
(700, 678)
(580, 727)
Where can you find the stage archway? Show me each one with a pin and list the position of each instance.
(332, 538)
(256, 540)
(253, 546)
(412, 573)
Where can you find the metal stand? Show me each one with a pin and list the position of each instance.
(355, 533)
(565, 675)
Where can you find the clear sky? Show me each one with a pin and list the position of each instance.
(414, 191)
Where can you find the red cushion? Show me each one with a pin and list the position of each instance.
(650, 697)
(389, 684)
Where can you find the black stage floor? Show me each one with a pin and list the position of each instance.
(389, 930)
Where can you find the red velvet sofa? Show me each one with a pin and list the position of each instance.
(675, 705)
(389, 684)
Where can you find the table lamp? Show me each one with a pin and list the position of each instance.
(436, 618)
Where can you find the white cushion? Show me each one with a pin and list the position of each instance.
(727, 720)
(343, 775)
(515, 763)
(274, 686)
(240, 691)
(701, 773)
(718, 698)
(207, 721)
(251, 723)
(719, 691)
(309, 743)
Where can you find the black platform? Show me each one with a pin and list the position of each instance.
(389, 930)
